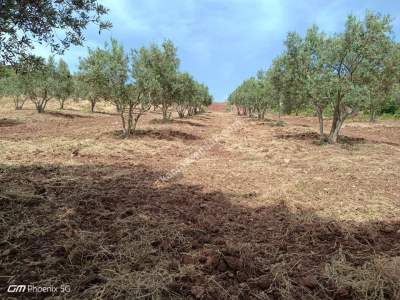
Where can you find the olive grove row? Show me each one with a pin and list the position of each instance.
(134, 82)
(338, 75)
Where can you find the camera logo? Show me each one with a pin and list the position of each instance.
(22, 288)
(14, 288)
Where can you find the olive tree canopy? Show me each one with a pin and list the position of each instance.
(57, 24)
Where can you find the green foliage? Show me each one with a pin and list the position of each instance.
(22, 23)
(135, 82)
(354, 70)
(115, 72)
(79, 87)
(92, 75)
(64, 84)
(253, 96)
(12, 86)
(39, 80)
(130, 99)
(185, 94)
(158, 72)
(391, 105)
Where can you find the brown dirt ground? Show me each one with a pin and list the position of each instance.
(263, 212)
(222, 107)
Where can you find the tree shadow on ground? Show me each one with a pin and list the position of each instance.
(9, 122)
(161, 121)
(187, 122)
(66, 115)
(264, 122)
(106, 113)
(116, 232)
(342, 139)
(203, 117)
(89, 113)
(302, 136)
(159, 134)
(301, 125)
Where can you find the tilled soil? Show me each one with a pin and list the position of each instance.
(250, 210)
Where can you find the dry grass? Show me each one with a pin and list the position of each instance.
(376, 279)
(265, 213)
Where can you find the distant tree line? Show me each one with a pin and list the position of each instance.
(37, 80)
(133, 82)
(338, 76)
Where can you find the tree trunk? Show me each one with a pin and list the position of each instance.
(334, 134)
(40, 105)
(260, 114)
(338, 118)
(123, 123)
(263, 114)
(237, 109)
(129, 127)
(181, 112)
(19, 103)
(372, 115)
(279, 113)
(118, 107)
(61, 101)
(130, 120)
(136, 120)
(39, 108)
(92, 104)
(320, 115)
(165, 112)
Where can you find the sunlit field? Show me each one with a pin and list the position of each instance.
(263, 212)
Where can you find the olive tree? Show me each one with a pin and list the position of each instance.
(162, 65)
(63, 83)
(94, 81)
(78, 87)
(39, 81)
(129, 84)
(290, 97)
(254, 96)
(12, 86)
(261, 93)
(202, 99)
(185, 92)
(190, 96)
(234, 99)
(316, 80)
(147, 77)
(238, 99)
(357, 49)
(355, 70)
(130, 98)
(346, 72)
(381, 78)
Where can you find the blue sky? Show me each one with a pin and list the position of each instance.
(223, 42)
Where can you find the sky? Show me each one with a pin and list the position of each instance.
(221, 43)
